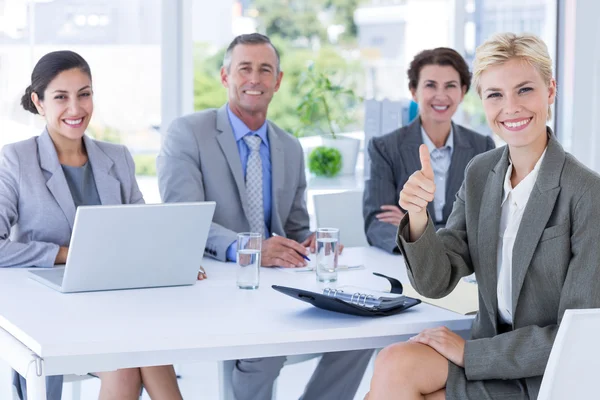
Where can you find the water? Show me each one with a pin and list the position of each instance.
(248, 270)
(327, 254)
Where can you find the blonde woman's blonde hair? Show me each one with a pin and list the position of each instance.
(503, 47)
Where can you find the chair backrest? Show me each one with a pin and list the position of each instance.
(342, 210)
(572, 369)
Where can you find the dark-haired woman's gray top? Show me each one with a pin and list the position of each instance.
(40, 198)
(81, 184)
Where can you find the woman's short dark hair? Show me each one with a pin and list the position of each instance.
(46, 69)
(439, 56)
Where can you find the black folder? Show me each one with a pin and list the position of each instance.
(357, 304)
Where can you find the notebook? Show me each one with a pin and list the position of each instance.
(463, 299)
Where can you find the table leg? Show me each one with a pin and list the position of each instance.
(36, 380)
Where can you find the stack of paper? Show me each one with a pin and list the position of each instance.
(311, 268)
(463, 299)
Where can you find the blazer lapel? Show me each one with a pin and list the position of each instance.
(229, 148)
(109, 187)
(56, 183)
(488, 228)
(462, 154)
(410, 154)
(277, 177)
(536, 214)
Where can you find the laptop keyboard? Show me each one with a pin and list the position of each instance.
(53, 275)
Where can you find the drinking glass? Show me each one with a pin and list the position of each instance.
(249, 245)
(327, 254)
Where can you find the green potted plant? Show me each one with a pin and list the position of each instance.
(325, 161)
(325, 109)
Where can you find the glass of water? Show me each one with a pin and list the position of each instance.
(327, 254)
(249, 246)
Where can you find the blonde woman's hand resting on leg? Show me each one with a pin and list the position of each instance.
(445, 342)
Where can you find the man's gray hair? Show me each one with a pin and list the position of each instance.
(250, 38)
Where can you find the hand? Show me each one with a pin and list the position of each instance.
(417, 192)
(61, 257)
(278, 251)
(311, 242)
(445, 342)
(202, 274)
(392, 215)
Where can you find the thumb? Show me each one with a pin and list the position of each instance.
(426, 168)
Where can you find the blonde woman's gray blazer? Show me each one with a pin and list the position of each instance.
(556, 266)
(36, 207)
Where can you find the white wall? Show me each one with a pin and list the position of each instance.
(212, 22)
(578, 59)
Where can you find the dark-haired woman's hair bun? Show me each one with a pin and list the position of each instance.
(26, 101)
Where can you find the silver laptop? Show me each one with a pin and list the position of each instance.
(132, 246)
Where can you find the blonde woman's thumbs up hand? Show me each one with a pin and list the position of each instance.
(417, 192)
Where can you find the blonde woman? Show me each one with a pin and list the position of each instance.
(524, 221)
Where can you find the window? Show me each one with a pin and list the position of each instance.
(391, 33)
(368, 44)
(121, 40)
(484, 18)
(304, 31)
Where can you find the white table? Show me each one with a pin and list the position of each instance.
(44, 332)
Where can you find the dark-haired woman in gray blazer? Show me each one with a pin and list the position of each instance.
(42, 182)
(438, 80)
(525, 221)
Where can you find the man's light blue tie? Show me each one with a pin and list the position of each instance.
(254, 185)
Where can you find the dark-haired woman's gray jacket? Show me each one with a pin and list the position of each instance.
(37, 211)
(394, 158)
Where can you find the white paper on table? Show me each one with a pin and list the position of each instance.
(311, 268)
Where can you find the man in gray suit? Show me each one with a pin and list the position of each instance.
(255, 173)
(394, 158)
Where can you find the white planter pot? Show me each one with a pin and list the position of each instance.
(348, 147)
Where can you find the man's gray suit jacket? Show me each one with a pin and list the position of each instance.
(199, 161)
(556, 265)
(394, 158)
